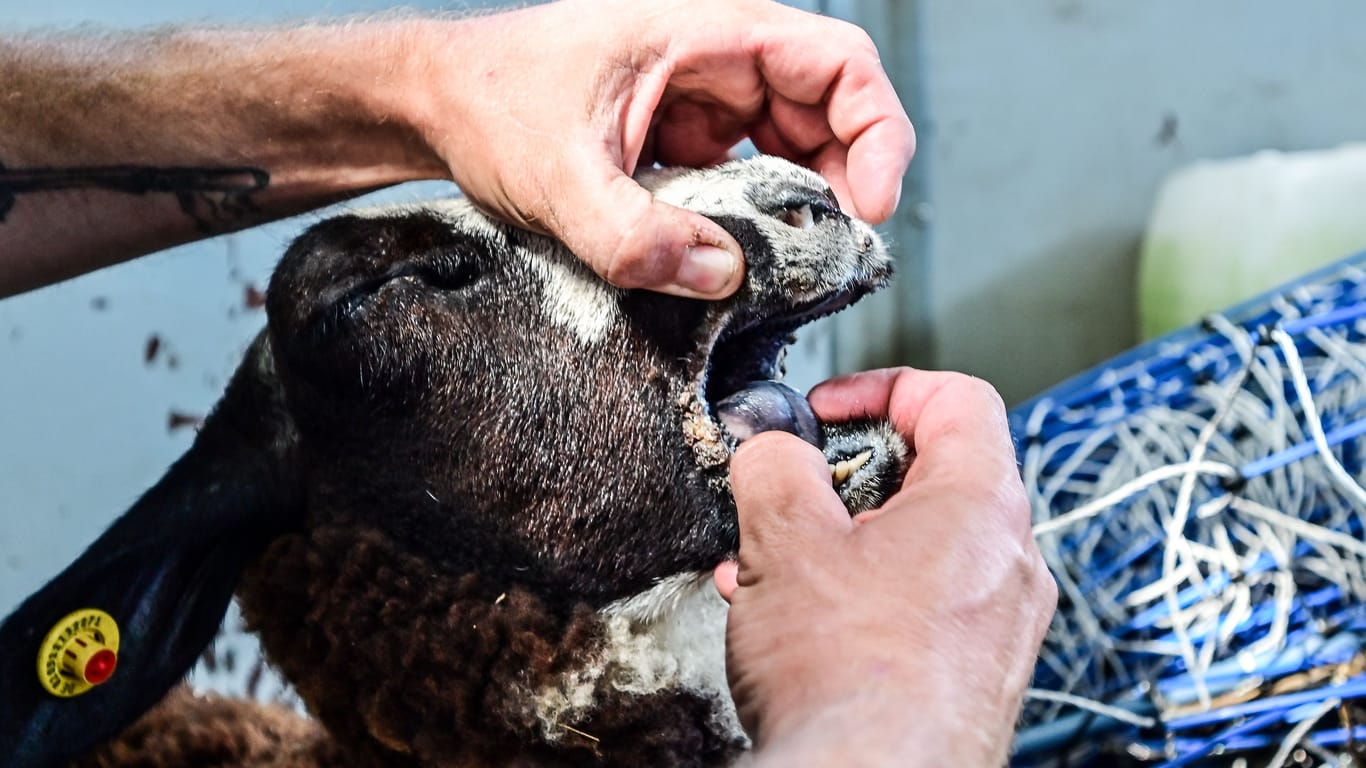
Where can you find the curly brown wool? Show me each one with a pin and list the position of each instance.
(408, 666)
(204, 731)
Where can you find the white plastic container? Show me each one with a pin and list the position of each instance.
(1227, 230)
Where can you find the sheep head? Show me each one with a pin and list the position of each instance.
(475, 392)
(492, 487)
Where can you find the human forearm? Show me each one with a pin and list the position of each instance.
(540, 115)
(117, 146)
(880, 690)
(875, 733)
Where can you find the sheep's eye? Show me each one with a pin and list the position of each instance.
(807, 214)
(801, 217)
(446, 277)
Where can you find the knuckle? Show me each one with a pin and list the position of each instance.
(1041, 576)
(959, 382)
(629, 265)
(860, 40)
(1048, 588)
(1003, 499)
(1014, 500)
(852, 38)
(983, 391)
(770, 453)
(762, 446)
(1046, 599)
(1017, 511)
(633, 258)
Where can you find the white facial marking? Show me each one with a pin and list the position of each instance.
(575, 299)
(673, 635)
(700, 192)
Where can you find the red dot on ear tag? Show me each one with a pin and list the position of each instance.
(101, 666)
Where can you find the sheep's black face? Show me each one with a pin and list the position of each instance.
(474, 392)
(481, 492)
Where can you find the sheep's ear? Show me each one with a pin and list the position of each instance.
(164, 573)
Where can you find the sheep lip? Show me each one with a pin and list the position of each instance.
(740, 382)
(800, 315)
(749, 347)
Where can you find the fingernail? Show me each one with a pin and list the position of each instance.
(706, 269)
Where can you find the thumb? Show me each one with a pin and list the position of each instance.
(635, 241)
(786, 503)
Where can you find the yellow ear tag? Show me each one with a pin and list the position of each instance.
(79, 653)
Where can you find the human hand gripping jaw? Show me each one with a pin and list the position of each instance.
(577, 95)
(905, 635)
(541, 116)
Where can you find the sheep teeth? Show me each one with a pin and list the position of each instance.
(842, 470)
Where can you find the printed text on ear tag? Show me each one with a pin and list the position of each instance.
(79, 653)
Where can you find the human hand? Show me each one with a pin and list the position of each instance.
(562, 102)
(906, 635)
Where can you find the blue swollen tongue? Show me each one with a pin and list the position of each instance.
(768, 405)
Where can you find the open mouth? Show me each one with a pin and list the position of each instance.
(742, 383)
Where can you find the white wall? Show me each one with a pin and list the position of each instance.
(1045, 128)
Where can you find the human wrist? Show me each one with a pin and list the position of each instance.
(316, 106)
(358, 106)
(251, 95)
(466, 122)
(407, 90)
(295, 117)
(878, 711)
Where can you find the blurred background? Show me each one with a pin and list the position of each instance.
(1046, 128)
